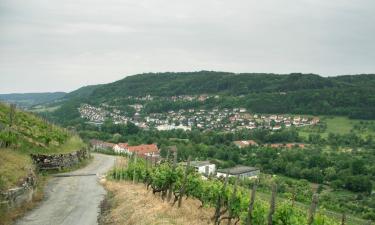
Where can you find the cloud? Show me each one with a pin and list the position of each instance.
(62, 45)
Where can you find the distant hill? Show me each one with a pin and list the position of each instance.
(26, 100)
(82, 92)
(208, 82)
(349, 95)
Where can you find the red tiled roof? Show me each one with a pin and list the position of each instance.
(245, 143)
(123, 145)
(144, 149)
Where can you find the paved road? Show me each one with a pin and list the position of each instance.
(72, 200)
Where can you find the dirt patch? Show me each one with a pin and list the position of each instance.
(133, 204)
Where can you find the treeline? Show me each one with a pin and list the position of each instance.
(339, 170)
(352, 102)
(351, 96)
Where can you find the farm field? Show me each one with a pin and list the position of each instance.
(340, 125)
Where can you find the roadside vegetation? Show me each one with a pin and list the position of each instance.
(228, 199)
(22, 134)
(14, 166)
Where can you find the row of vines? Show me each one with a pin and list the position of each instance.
(234, 204)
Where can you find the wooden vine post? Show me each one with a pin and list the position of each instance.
(312, 210)
(343, 219)
(272, 204)
(233, 198)
(151, 159)
(251, 205)
(220, 200)
(147, 170)
(134, 170)
(182, 192)
(174, 148)
(168, 155)
(12, 114)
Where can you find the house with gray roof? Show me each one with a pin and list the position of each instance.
(241, 171)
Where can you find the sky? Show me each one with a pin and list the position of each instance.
(53, 45)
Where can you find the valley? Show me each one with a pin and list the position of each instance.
(303, 148)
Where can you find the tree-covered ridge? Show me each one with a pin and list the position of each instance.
(168, 84)
(352, 96)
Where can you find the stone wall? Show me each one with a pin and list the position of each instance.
(16, 197)
(59, 161)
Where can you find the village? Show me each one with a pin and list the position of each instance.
(229, 120)
(151, 152)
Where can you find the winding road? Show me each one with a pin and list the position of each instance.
(72, 198)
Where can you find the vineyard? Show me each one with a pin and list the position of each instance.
(233, 203)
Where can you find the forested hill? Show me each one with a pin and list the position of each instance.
(207, 82)
(350, 95)
(29, 99)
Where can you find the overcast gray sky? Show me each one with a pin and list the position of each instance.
(54, 45)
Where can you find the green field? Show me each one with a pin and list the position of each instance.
(340, 125)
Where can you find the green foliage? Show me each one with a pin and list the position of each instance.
(163, 176)
(28, 132)
(262, 93)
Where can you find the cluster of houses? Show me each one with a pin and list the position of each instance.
(187, 119)
(144, 150)
(151, 151)
(97, 115)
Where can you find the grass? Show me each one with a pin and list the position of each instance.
(7, 217)
(133, 204)
(27, 133)
(336, 125)
(14, 166)
(72, 144)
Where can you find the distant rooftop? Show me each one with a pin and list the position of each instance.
(238, 170)
(200, 163)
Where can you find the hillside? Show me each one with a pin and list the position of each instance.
(26, 100)
(352, 96)
(22, 133)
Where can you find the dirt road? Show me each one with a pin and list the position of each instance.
(72, 200)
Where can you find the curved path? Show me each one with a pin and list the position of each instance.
(72, 200)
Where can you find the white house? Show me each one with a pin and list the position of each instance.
(121, 148)
(204, 167)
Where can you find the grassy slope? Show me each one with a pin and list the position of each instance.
(30, 134)
(13, 167)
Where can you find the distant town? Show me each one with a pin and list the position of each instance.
(229, 120)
